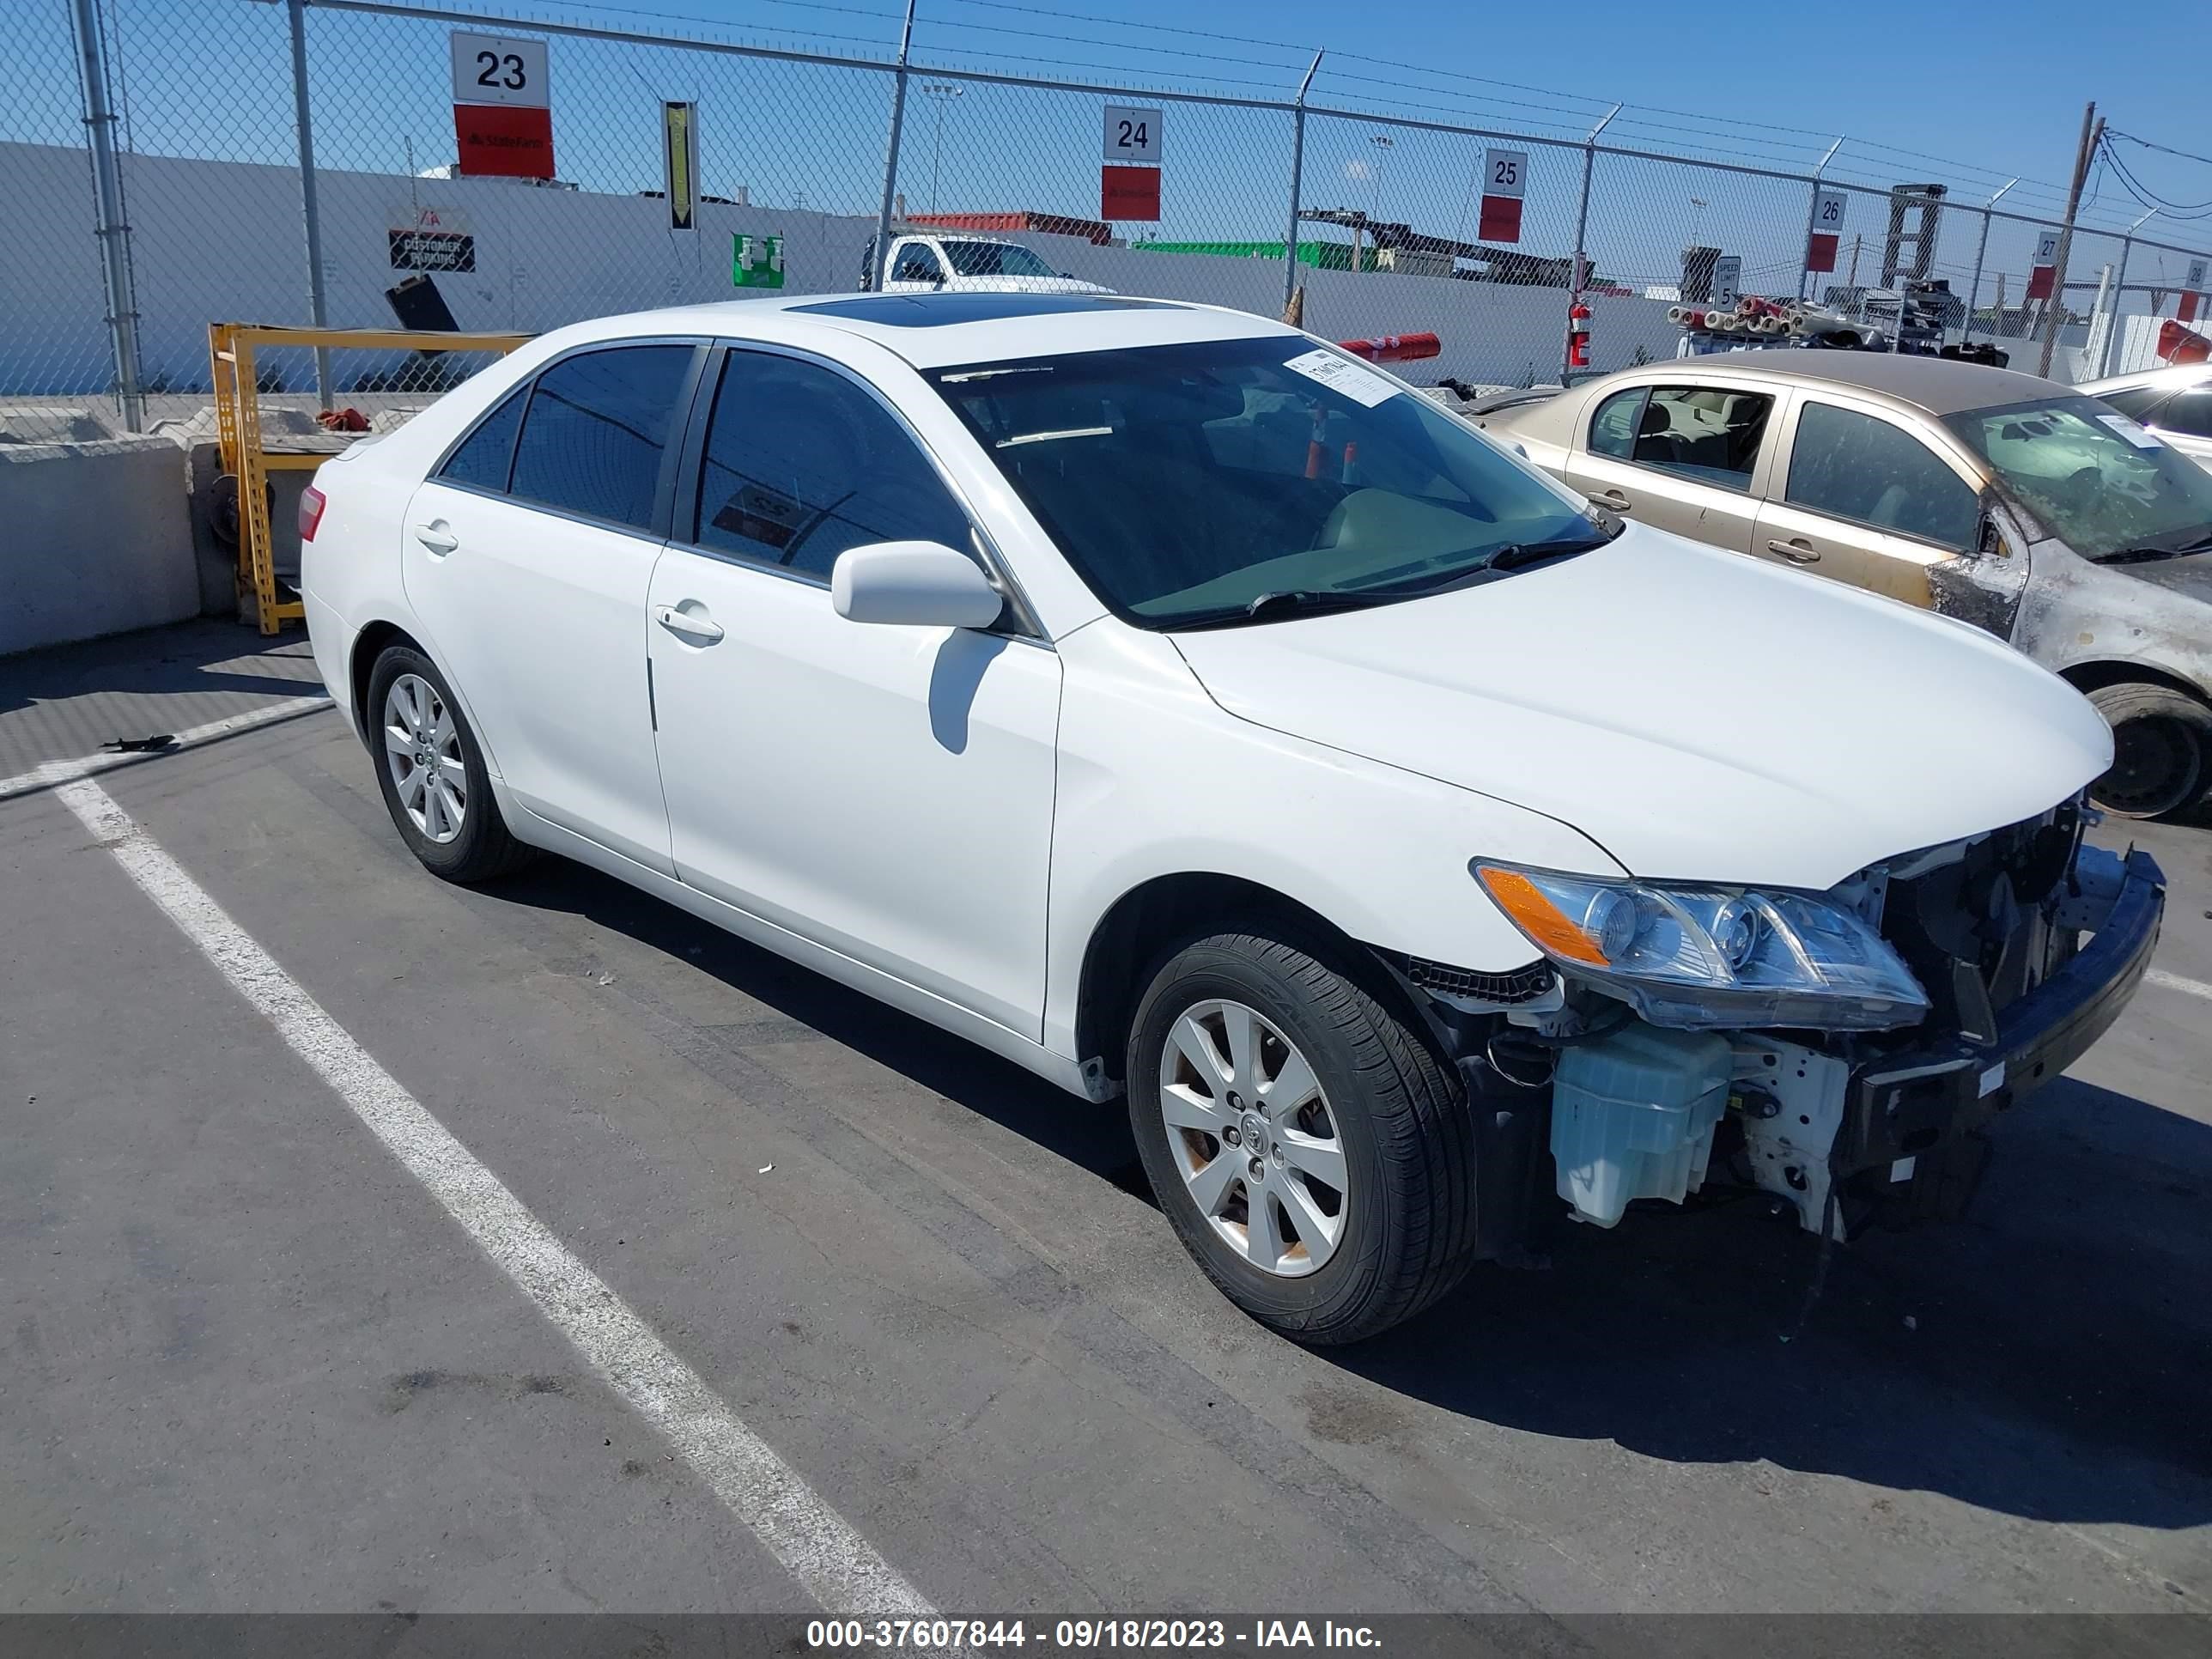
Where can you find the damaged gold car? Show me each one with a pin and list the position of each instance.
(2011, 503)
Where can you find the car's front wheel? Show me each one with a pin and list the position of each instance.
(431, 769)
(2162, 749)
(1312, 1151)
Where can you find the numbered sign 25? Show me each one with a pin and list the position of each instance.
(1132, 135)
(491, 69)
(1505, 173)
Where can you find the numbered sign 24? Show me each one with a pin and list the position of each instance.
(1504, 182)
(1132, 134)
(491, 69)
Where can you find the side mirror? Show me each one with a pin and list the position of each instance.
(913, 585)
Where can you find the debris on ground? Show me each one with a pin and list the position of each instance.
(140, 746)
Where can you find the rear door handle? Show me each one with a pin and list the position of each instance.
(1612, 498)
(700, 629)
(1797, 552)
(436, 537)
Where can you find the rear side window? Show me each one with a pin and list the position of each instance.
(1613, 428)
(597, 424)
(486, 455)
(1702, 432)
(2136, 402)
(800, 465)
(1853, 466)
(916, 263)
(2189, 413)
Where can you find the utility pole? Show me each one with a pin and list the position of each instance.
(111, 229)
(2093, 132)
(1998, 333)
(883, 250)
(1853, 280)
(940, 93)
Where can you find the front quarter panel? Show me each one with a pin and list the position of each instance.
(1155, 779)
(2075, 613)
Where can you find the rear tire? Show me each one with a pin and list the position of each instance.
(1255, 1050)
(432, 772)
(2161, 740)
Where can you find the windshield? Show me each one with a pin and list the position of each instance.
(1186, 483)
(994, 259)
(2098, 481)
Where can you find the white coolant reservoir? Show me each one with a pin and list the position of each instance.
(1632, 1116)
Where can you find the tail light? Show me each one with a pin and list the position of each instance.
(311, 512)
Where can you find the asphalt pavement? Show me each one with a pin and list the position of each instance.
(255, 1360)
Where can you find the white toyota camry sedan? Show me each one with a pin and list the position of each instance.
(1184, 708)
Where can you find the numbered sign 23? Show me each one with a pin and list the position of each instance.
(1132, 134)
(491, 69)
(1504, 182)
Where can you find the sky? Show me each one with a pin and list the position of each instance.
(1995, 90)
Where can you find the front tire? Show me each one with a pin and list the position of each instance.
(432, 772)
(2161, 743)
(1312, 1151)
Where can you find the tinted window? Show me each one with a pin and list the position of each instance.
(2136, 401)
(1856, 467)
(1613, 428)
(995, 259)
(486, 454)
(1186, 482)
(597, 424)
(1702, 432)
(2189, 414)
(916, 264)
(801, 463)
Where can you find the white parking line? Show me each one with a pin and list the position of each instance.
(61, 771)
(840, 1569)
(2195, 987)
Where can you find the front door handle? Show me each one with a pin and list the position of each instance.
(1612, 498)
(436, 537)
(698, 628)
(1796, 551)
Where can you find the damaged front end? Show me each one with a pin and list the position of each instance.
(1843, 1051)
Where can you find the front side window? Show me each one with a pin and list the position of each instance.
(597, 424)
(487, 455)
(2189, 413)
(2136, 402)
(2093, 478)
(800, 463)
(1613, 428)
(1207, 484)
(1702, 432)
(1853, 466)
(995, 259)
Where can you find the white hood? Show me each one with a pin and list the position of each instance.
(1699, 714)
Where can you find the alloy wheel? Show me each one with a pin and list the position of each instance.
(422, 747)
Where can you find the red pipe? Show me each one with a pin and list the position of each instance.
(1394, 347)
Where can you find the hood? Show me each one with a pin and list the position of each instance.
(1701, 716)
(2189, 575)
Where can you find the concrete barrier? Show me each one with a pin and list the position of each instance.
(95, 537)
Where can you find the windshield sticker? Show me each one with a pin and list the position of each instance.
(2134, 434)
(1354, 379)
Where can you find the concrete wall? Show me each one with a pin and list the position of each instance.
(94, 539)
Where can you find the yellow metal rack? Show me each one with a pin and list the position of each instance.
(238, 424)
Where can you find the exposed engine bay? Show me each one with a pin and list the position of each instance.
(1848, 1128)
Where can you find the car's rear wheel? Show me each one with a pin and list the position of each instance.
(2161, 743)
(431, 769)
(1312, 1151)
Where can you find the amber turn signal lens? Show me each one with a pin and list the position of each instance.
(1538, 917)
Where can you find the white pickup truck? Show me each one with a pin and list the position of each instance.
(929, 262)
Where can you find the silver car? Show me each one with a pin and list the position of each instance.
(2012, 502)
(2174, 402)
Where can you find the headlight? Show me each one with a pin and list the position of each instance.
(1697, 957)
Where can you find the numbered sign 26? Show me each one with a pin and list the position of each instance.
(490, 69)
(1504, 183)
(1827, 230)
(1132, 134)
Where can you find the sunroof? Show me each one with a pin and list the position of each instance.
(938, 309)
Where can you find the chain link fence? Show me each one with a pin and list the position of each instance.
(159, 155)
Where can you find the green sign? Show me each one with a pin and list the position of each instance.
(756, 261)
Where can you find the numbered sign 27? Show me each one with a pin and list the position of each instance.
(2043, 275)
(1132, 134)
(490, 69)
(1504, 183)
